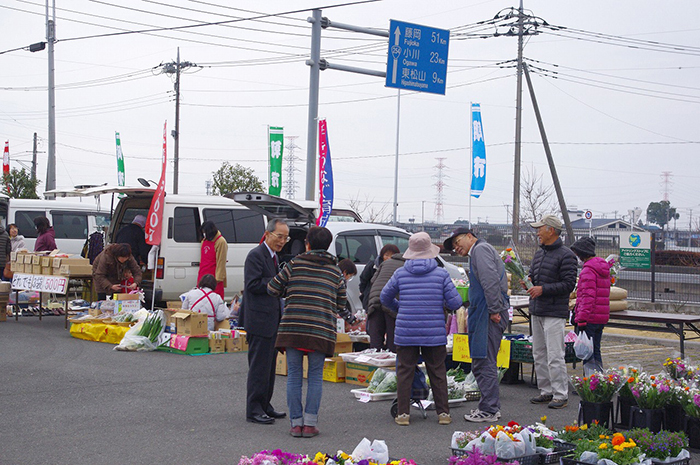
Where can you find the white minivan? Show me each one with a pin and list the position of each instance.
(72, 221)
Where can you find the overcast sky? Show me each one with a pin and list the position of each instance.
(618, 109)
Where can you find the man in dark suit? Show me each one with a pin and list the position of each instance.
(261, 315)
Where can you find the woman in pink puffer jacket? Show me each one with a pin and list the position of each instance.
(592, 310)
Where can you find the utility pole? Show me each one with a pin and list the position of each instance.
(176, 68)
(690, 228)
(518, 129)
(550, 161)
(51, 38)
(34, 159)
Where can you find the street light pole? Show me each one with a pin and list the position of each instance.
(50, 38)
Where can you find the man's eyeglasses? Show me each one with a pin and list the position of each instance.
(281, 236)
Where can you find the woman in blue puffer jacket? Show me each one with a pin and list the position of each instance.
(425, 290)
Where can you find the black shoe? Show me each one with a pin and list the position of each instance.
(261, 419)
(276, 414)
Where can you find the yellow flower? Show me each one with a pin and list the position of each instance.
(618, 448)
(543, 419)
(631, 442)
(603, 446)
(344, 456)
(584, 427)
(601, 436)
(320, 458)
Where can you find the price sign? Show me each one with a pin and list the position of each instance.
(460, 351)
(40, 283)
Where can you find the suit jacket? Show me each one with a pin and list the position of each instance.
(260, 311)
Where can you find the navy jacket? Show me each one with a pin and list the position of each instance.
(260, 311)
(554, 267)
(425, 289)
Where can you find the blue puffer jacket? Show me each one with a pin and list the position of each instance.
(424, 289)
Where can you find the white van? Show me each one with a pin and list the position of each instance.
(72, 221)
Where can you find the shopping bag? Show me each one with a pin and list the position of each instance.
(583, 346)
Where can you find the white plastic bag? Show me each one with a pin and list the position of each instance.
(133, 342)
(485, 443)
(583, 346)
(505, 448)
(376, 451)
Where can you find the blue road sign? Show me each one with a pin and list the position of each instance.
(417, 57)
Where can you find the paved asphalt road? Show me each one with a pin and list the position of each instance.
(69, 401)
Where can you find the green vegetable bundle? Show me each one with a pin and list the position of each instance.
(153, 326)
(377, 377)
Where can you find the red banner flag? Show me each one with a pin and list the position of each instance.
(6, 162)
(154, 223)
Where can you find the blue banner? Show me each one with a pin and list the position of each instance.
(478, 153)
(325, 175)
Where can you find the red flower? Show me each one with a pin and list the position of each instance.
(512, 424)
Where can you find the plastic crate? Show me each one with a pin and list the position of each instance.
(521, 351)
(523, 460)
(471, 396)
(685, 461)
(560, 450)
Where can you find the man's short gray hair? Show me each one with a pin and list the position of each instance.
(272, 224)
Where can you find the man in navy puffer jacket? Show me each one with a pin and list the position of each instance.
(425, 290)
(553, 274)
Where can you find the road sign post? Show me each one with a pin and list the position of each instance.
(417, 57)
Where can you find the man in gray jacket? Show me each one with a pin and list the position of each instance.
(553, 274)
(488, 317)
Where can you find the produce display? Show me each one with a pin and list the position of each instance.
(382, 381)
(153, 326)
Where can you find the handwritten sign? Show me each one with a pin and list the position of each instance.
(460, 351)
(40, 283)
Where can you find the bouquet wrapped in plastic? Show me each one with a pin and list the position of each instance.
(514, 266)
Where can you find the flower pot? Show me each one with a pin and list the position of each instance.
(623, 409)
(652, 418)
(600, 411)
(692, 430)
(673, 420)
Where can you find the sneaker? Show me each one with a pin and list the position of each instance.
(481, 417)
(296, 431)
(444, 419)
(541, 399)
(476, 410)
(403, 419)
(309, 431)
(558, 403)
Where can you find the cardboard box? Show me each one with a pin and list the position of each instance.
(74, 270)
(334, 370)
(36, 269)
(169, 323)
(46, 261)
(281, 365)
(46, 270)
(94, 312)
(131, 305)
(237, 344)
(174, 304)
(358, 373)
(25, 258)
(125, 297)
(36, 260)
(217, 345)
(17, 267)
(191, 324)
(13, 256)
(60, 261)
(343, 344)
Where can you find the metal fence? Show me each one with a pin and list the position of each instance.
(673, 278)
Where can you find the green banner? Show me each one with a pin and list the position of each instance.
(120, 162)
(275, 146)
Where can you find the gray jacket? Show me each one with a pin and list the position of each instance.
(381, 277)
(488, 269)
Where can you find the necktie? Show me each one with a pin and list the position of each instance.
(274, 258)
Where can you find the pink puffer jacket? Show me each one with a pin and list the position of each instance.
(593, 292)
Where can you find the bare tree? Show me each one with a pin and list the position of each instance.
(537, 198)
(368, 211)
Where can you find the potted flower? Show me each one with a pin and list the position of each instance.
(652, 394)
(625, 399)
(616, 448)
(678, 368)
(574, 433)
(596, 392)
(690, 401)
(663, 447)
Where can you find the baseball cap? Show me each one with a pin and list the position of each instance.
(457, 232)
(548, 220)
